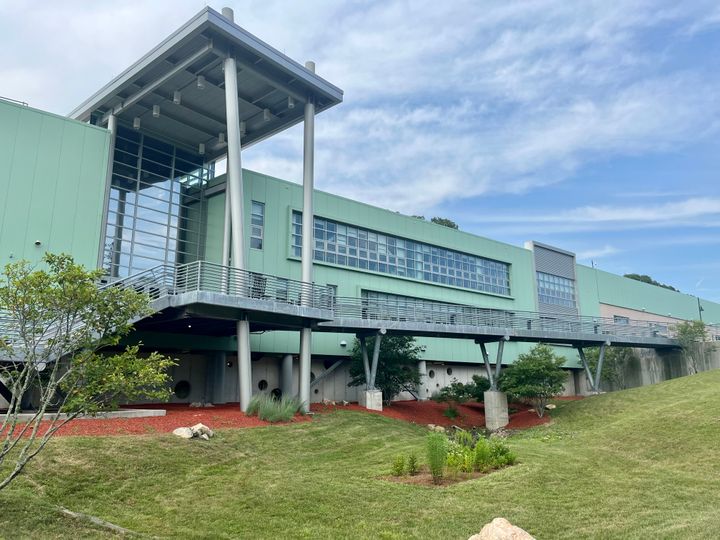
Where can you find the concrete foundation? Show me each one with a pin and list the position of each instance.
(496, 410)
(122, 413)
(371, 400)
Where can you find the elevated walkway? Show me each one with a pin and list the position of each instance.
(205, 298)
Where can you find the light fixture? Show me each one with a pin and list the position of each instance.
(221, 137)
(243, 128)
(201, 149)
(136, 122)
(201, 82)
(343, 343)
(156, 111)
(291, 102)
(177, 97)
(189, 325)
(266, 115)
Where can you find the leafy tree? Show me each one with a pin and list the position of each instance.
(647, 279)
(614, 364)
(397, 365)
(536, 376)
(445, 222)
(57, 322)
(694, 342)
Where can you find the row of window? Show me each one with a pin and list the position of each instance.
(356, 247)
(555, 290)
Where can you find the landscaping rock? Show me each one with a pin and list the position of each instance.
(501, 529)
(184, 432)
(202, 429)
(205, 437)
(550, 406)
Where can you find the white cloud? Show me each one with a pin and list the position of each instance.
(597, 253)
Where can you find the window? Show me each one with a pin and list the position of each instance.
(257, 225)
(355, 247)
(555, 290)
(619, 319)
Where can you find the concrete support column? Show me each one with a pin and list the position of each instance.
(244, 363)
(219, 362)
(307, 242)
(305, 365)
(422, 370)
(286, 375)
(496, 410)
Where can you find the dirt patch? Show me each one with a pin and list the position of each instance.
(424, 478)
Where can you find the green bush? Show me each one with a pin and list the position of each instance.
(451, 412)
(398, 466)
(413, 467)
(481, 455)
(536, 376)
(270, 409)
(479, 386)
(455, 458)
(500, 454)
(437, 451)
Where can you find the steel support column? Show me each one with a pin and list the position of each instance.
(307, 242)
(486, 361)
(235, 183)
(112, 128)
(375, 358)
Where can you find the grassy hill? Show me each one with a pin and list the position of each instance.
(643, 463)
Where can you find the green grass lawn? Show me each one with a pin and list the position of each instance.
(644, 463)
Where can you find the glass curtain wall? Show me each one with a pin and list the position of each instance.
(156, 206)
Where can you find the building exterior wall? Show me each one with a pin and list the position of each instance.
(52, 185)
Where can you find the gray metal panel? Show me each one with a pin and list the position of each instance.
(554, 309)
(554, 262)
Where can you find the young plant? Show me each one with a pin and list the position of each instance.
(481, 455)
(398, 466)
(413, 467)
(500, 454)
(437, 451)
(455, 459)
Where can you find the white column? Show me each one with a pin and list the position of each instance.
(307, 240)
(112, 128)
(235, 183)
(422, 370)
(286, 375)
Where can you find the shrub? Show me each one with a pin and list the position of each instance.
(398, 466)
(267, 408)
(536, 376)
(481, 455)
(479, 386)
(413, 467)
(455, 458)
(500, 454)
(437, 451)
(451, 412)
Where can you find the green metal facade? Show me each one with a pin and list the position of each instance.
(52, 185)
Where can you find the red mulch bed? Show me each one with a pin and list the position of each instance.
(178, 415)
(229, 416)
(430, 412)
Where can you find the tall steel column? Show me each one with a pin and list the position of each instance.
(307, 240)
(235, 183)
(112, 128)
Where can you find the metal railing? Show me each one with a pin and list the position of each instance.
(439, 313)
(203, 276)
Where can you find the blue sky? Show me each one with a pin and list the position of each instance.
(589, 125)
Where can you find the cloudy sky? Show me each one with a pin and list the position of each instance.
(590, 125)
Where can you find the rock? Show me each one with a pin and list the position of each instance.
(550, 406)
(184, 432)
(196, 405)
(431, 427)
(440, 429)
(500, 433)
(345, 403)
(202, 429)
(501, 529)
(205, 437)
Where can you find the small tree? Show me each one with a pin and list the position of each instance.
(694, 342)
(445, 222)
(57, 322)
(614, 364)
(397, 365)
(536, 376)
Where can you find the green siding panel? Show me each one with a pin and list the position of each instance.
(52, 184)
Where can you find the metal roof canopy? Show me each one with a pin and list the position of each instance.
(267, 81)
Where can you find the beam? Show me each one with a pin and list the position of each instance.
(499, 357)
(326, 373)
(583, 359)
(366, 362)
(148, 88)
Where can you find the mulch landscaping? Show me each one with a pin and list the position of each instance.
(229, 416)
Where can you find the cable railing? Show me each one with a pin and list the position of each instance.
(408, 310)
